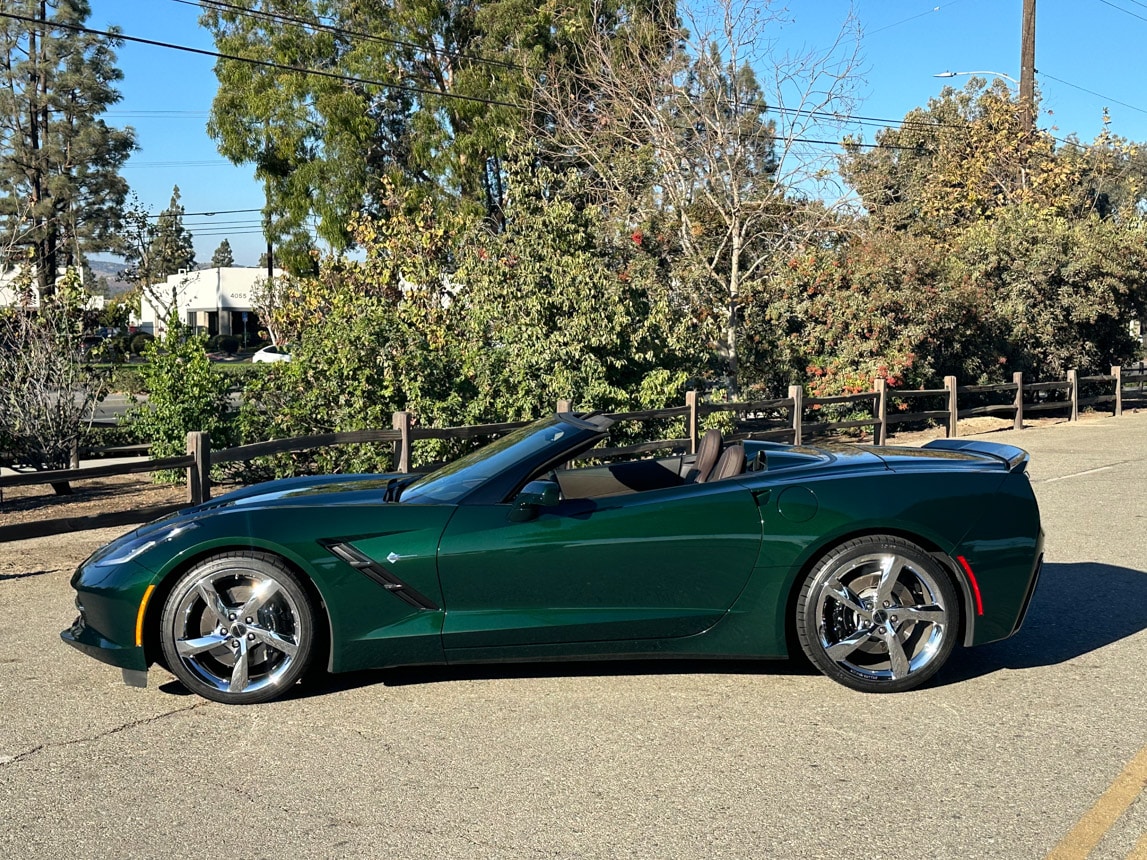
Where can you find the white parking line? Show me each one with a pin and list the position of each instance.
(1085, 472)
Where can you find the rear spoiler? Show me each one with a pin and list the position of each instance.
(1016, 458)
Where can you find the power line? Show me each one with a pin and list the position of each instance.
(215, 212)
(1124, 11)
(1092, 92)
(888, 123)
(911, 18)
(203, 52)
(259, 14)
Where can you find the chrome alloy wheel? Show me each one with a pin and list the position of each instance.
(237, 629)
(878, 614)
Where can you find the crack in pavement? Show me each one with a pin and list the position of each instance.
(39, 748)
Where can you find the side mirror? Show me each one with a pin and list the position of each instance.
(533, 497)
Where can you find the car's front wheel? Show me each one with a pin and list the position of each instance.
(238, 628)
(878, 614)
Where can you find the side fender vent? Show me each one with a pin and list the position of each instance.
(360, 561)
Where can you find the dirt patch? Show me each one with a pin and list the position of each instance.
(19, 505)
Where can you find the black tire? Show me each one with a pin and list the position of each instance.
(878, 614)
(238, 628)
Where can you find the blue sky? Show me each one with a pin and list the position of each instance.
(1080, 45)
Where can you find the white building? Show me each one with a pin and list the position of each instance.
(212, 301)
(11, 295)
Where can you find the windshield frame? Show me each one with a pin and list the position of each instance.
(493, 473)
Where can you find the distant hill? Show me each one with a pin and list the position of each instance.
(111, 270)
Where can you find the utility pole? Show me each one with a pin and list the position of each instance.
(1027, 69)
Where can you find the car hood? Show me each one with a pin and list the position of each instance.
(325, 490)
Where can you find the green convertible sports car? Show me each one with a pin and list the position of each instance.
(875, 562)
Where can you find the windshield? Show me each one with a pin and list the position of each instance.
(455, 480)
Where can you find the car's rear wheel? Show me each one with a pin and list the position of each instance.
(238, 628)
(878, 614)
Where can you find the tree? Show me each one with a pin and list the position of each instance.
(155, 247)
(47, 391)
(171, 249)
(185, 394)
(60, 189)
(430, 101)
(1063, 291)
(673, 123)
(550, 308)
(965, 158)
(222, 258)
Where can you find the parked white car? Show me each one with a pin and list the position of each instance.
(269, 354)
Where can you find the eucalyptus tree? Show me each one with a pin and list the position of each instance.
(61, 193)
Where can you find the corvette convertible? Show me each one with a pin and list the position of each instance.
(874, 562)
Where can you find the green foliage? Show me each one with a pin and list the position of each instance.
(156, 247)
(222, 256)
(1063, 292)
(461, 325)
(327, 149)
(840, 316)
(60, 190)
(550, 309)
(184, 394)
(139, 342)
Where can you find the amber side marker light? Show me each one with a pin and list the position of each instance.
(963, 563)
(147, 597)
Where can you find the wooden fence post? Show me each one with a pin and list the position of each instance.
(881, 428)
(74, 454)
(402, 421)
(693, 420)
(796, 393)
(1117, 372)
(565, 406)
(199, 472)
(953, 409)
(1018, 379)
(1073, 381)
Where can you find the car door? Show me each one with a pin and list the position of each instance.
(659, 564)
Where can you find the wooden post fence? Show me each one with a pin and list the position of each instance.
(199, 472)
(1073, 381)
(1018, 381)
(693, 430)
(402, 423)
(880, 430)
(1117, 372)
(796, 393)
(953, 409)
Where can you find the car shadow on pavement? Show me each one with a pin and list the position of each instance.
(412, 675)
(1077, 608)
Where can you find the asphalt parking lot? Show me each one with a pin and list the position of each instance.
(1032, 747)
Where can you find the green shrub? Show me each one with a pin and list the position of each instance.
(184, 394)
(139, 342)
(228, 343)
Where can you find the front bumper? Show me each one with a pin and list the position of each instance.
(109, 601)
(83, 638)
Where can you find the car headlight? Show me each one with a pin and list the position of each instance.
(132, 548)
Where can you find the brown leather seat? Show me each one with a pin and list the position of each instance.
(708, 452)
(731, 464)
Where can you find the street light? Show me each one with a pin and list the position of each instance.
(997, 74)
